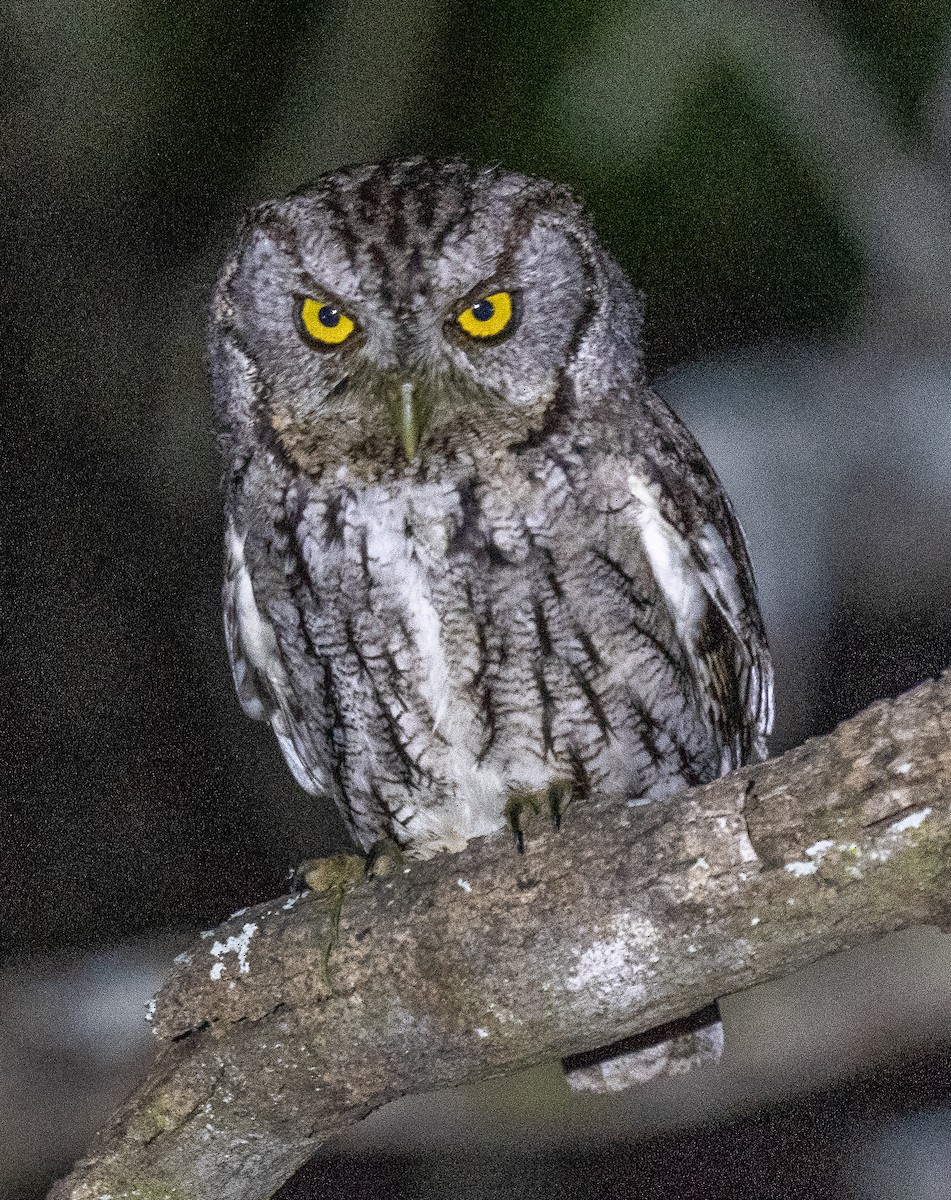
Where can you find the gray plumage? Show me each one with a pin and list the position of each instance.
(463, 567)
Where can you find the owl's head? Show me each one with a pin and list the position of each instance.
(391, 314)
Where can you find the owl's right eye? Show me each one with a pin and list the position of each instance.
(323, 322)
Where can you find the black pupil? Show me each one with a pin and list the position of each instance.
(483, 310)
(328, 315)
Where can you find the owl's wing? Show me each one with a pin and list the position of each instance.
(699, 559)
(260, 676)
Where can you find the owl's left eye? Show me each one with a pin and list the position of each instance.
(323, 322)
(488, 317)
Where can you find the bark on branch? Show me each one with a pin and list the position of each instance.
(481, 963)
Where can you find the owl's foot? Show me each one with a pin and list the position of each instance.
(331, 879)
(522, 805)
(329, 875)
(386, 858)
(337, 872)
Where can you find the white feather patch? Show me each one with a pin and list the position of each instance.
(720, 578)
(691, 578)
(255, 636)
(669, 556)
(259, 673)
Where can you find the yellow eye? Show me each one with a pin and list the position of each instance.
(488, 317)
(324, 322)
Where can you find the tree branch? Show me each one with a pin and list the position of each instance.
(482, 963)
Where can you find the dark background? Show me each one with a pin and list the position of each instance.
(777, 177)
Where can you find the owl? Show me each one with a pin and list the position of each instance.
(475, 566)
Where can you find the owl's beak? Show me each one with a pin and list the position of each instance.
(407, 413)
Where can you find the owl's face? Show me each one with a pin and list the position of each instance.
(389, 315)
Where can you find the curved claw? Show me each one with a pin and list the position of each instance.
(522, 804)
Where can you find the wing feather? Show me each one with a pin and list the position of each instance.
(699, 558)
(260, 676)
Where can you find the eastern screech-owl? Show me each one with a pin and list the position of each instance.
(473, 561)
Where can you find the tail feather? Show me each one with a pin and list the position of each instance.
(670, 1049)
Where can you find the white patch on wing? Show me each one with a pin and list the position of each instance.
(670, 559)
(723, 586)
(691, 577)
(260, 677)
(309, 778)
(251, 639)
(720, 578)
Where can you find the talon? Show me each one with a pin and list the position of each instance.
(516, 806)
(386, 857)
(559, 794)
(517, 835)
(522, 805)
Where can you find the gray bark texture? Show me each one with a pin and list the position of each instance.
(286, 1024)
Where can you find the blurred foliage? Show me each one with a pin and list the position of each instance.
(900, 44)
(136, 134)
(725, 255)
